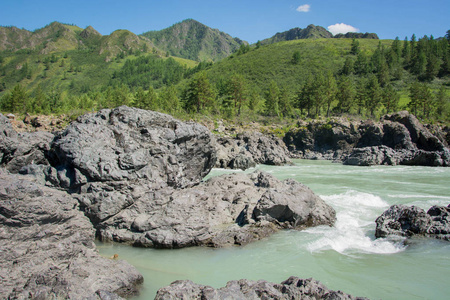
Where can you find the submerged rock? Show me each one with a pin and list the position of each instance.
(48, 251)
(408, 221)
(225, 210)
(292, 288)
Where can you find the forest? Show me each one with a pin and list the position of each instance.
(285, 80)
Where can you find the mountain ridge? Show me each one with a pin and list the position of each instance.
(193, 40)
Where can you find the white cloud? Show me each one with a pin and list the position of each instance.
(341, 28)
(304, 8)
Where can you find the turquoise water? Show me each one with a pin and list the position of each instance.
(345, 257)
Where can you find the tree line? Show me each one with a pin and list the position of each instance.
(366, 84)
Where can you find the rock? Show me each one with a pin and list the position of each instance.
(407, 221)
(265, 149)
(232, 154)
(397, 139)
(292, 288)
(323, 140)
(20, 149)
(370, 156)
(225, 210)
(50, 251)
(127, 144)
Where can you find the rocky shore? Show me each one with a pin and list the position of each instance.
(136, 177)
(398, 139)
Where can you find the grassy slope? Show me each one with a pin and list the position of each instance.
(274, 62)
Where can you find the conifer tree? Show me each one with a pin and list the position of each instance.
(199, 94)
(272, 97)
(374, 95)
(345, 94)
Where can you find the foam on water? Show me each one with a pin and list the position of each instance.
(353, 231)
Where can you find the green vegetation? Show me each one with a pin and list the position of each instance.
(74, 70)
(192, 40)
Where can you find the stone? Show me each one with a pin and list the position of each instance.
(233, 209)
(126, 144)
(265, 149)
(50, 251)
(408, 221)
(292, 288)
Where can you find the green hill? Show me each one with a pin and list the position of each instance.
(275, 61)
(195, 41)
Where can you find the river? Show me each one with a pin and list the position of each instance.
(344, 257)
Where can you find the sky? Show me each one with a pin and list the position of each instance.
(248, 20)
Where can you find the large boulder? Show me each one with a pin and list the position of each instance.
(402, 220)
(232, 154)
(21, 149)
(225, 210)
(292, 288)
(400, 138)
(265, 149)
(48, 251)
(331, 140)
(126, 144)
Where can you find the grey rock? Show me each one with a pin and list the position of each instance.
(47, 249)
(331, 140)
(375, 155)
(398, 138)
(292, 288)
(20, 149)
(225, 210)
(408, 221)
(232, 154)
(132, 144)
(265, 149)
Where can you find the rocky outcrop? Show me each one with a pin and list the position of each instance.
(408, 221)
(225, 210)
(47, 248)
(292, 288)
(126, 144)
(250, 148)
(333, 140)
(20, 149)
(397, 139)
(232, 154)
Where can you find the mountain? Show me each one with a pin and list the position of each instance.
(193, 40)
(314, 32)
(310, 32)
(58, 37)
(357, 35)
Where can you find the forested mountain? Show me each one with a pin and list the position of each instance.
(64, 69)
(193, 40)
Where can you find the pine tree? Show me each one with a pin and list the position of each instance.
(330, 91)
(272, 97)
(374, 95)
(390, 99)
(199, 94)
(355, 47)
(237, 91)
(345, 94)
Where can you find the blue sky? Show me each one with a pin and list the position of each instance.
(247, 20)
